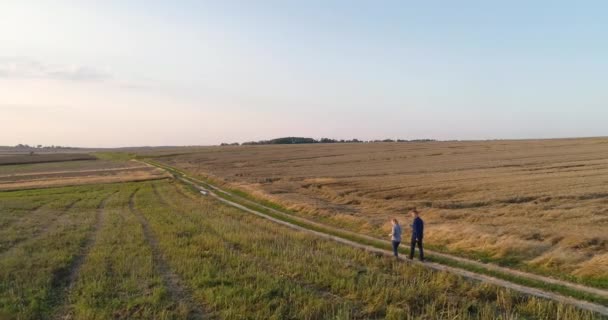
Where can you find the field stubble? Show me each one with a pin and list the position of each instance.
(537, 205)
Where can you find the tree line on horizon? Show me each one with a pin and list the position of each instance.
(304, 140)
(39, 146)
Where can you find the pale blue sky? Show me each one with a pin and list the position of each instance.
(119, 73)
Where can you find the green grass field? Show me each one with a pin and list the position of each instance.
(154, 250)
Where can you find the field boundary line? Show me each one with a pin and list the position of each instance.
(583, 304)
(170, 279)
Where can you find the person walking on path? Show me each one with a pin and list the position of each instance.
(417, 234)
(395, 237)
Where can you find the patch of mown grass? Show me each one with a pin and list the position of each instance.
(13, 208)
(43, 193)
(21, 225)
(33, 274)
(117, 279)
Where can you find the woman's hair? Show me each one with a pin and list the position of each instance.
(395, 221)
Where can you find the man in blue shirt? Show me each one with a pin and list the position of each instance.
(417, 234)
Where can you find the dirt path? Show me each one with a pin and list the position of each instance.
(575, 286)
(601, 309)
(171, 280)
(464, 273)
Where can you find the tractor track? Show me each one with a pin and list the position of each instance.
(65, 279)
(90, 242)
(171, 280)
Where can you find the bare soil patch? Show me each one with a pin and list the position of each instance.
(44, 157)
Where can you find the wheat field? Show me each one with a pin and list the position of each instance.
(534, 204)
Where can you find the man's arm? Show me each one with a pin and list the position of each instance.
(421, 228)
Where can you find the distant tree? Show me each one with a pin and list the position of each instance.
(300, 140)
(290, 140)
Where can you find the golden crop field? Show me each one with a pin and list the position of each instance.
(539, 205)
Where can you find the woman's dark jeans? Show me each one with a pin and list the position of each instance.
(395, 246)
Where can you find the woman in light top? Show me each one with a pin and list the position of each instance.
(395, 236)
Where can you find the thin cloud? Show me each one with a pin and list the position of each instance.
(27, 68)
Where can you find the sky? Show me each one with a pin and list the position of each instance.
(134, 73)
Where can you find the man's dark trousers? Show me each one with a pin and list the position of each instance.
(413, 248)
